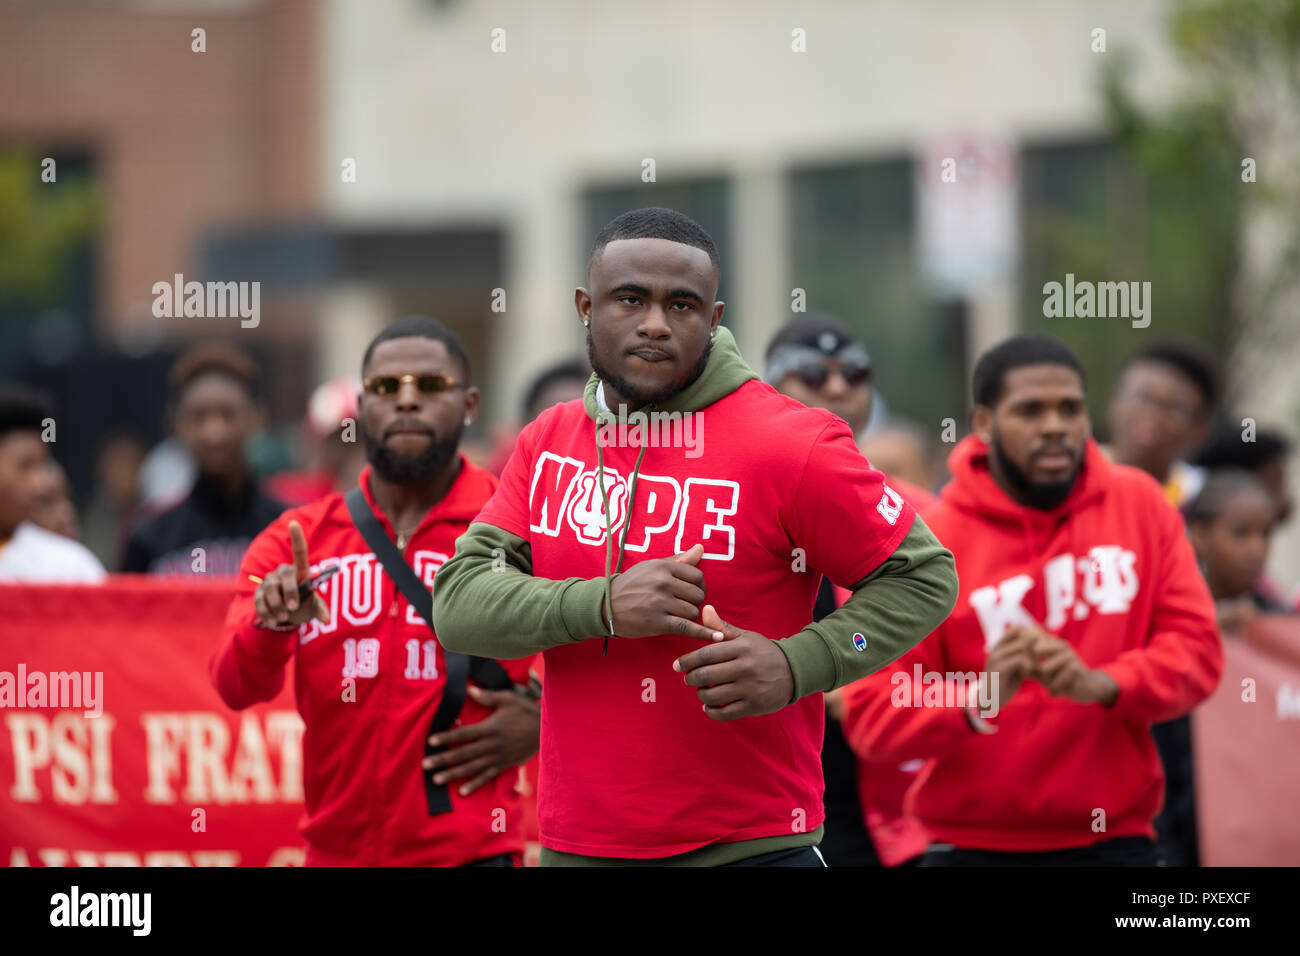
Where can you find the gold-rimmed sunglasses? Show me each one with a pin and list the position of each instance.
(428, 384)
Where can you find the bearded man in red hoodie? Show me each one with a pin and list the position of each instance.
(370, 678)
(1082, 619)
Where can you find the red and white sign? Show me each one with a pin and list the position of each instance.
(165, 774)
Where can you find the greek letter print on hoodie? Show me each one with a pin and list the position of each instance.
(367, 685)
(777, 494)
(1111, 572)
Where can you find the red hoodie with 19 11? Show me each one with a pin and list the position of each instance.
(1110, 571)
(367, 685)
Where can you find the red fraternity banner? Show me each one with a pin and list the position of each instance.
(1246, 744)
(116, 750)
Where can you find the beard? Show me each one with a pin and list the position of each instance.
(1038, 495)
(640, 398)
(411, 469)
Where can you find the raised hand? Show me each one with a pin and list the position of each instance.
(276, 600)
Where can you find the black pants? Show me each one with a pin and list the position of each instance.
(799, 856)
(501, 859)
(1176, 824)
(1125, 851)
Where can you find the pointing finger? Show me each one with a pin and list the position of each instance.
(299, 542)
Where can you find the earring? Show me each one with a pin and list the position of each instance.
(586, 323)
(468, 420)
(713, 333)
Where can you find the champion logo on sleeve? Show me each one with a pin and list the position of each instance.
(859, 642)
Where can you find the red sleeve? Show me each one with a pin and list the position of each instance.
(844, 515)
(1182, 659)
(877, 729)
(248, 668)
(916, 496)
(882, 721)
(508, 508)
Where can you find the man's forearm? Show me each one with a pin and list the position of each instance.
(487, 602)
(248, 668)
(894, 608)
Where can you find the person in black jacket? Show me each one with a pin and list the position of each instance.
(213, 389)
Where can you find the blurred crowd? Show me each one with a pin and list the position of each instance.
(151, 507)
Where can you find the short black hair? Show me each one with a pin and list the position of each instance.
(655, 222)
(23, 409)
(423, 327)
(1221, 485)
(213, 358)
(1028, 348)
(559, 372)
(806, 328)
(1227, 449)
(1186, 361)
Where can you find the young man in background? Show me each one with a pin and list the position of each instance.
(1082, 620)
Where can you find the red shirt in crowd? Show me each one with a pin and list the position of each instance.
(367, 685)
(1110, 571)
(631, 766)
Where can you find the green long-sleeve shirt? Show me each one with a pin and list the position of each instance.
(487, 602)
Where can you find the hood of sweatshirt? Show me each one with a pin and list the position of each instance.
(724, 372)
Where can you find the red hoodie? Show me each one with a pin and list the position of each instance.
(1111, 571)
(631, 766)
(367, 685)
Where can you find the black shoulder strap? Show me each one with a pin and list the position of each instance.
(486, 672)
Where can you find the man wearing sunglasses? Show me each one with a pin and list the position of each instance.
(815, 360)
(370, 677)
(670, 584)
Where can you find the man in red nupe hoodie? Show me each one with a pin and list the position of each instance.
(1082, 619)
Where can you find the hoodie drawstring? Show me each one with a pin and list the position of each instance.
(627, 523)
